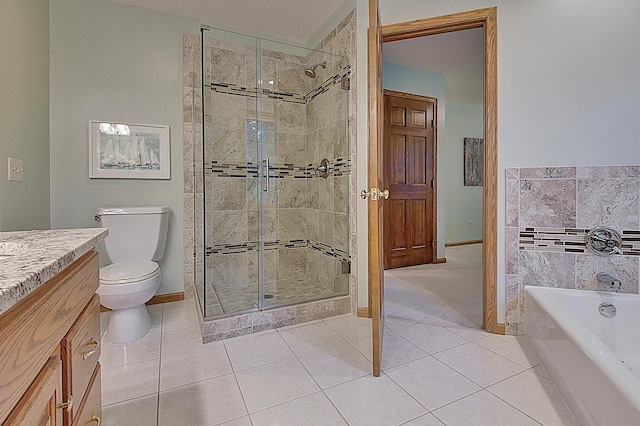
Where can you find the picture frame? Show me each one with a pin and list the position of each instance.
(473, 161)
(128, 151)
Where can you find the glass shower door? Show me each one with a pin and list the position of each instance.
(304, 108)
(231, 170)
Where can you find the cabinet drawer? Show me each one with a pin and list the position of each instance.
(80, 350)
(90, 411)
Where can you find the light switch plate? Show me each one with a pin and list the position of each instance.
(15, 169)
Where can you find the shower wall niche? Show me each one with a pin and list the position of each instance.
(271, 179)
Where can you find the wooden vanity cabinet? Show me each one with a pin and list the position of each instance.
(49, 351)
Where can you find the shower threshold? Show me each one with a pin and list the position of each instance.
(242, 299)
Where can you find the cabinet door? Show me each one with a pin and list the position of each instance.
(39, 405)
(80, 353)
(90, 411)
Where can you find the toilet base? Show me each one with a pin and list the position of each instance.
(127, 325)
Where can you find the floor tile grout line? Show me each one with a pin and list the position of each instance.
(441, 350)
(384, 370)
(408, 393)
(452, 329)
(482, 386)
(514, 406)
(234, 371)
(510, 404)
(507, 358)
(539, 374)
(244, 401)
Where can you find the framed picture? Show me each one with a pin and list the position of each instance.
(128, 151)
(473, 161)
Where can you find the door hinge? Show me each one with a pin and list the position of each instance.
(432, 183)
(345, 83)
(346, 266)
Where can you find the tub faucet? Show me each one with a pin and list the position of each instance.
(609, 282)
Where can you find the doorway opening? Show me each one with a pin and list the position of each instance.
(449, 69)
(486, 20)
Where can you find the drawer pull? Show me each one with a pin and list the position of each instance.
(66, 405)
(96, 419)
(87, 354)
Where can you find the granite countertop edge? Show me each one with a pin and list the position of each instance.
(31, 258)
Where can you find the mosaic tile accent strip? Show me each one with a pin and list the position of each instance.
(569, 240)
(325, 249)
(233, 89)
(329, 83)
(217, 169)
(296, 98)
(337, 167)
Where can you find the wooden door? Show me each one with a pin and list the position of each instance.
(375, 202)
(409, 151)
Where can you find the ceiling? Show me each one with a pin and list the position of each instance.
(458, 55)
(287, 20)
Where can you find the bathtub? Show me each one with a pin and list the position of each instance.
(593, 361)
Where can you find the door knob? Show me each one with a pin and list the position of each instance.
(374, 194)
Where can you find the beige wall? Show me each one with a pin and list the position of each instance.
(24, 112)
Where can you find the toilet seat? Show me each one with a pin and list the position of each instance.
(128, 272)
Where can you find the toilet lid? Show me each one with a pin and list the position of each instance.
(121, 273)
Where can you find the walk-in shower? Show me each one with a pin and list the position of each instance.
(272, 213)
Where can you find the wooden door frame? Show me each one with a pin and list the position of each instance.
(434, 213)
(487, 20)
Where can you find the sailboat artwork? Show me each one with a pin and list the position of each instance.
(140, 151)
(129, 151)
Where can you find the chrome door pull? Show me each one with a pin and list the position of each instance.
(266, 175)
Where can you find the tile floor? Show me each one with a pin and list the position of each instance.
(319, 373)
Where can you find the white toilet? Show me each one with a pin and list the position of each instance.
(137, 236)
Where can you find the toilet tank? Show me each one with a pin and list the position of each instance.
(135, 233)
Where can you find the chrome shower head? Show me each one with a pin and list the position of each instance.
(311, 71)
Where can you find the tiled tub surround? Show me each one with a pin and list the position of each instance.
(28, 259)
(549, 212)
(302, 123)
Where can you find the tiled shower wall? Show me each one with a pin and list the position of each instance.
(308, 217)
(549, 212)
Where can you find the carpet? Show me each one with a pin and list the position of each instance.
(445, 294)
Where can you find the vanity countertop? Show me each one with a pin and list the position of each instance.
(29, 259)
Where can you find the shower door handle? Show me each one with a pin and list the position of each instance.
(266, 175)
